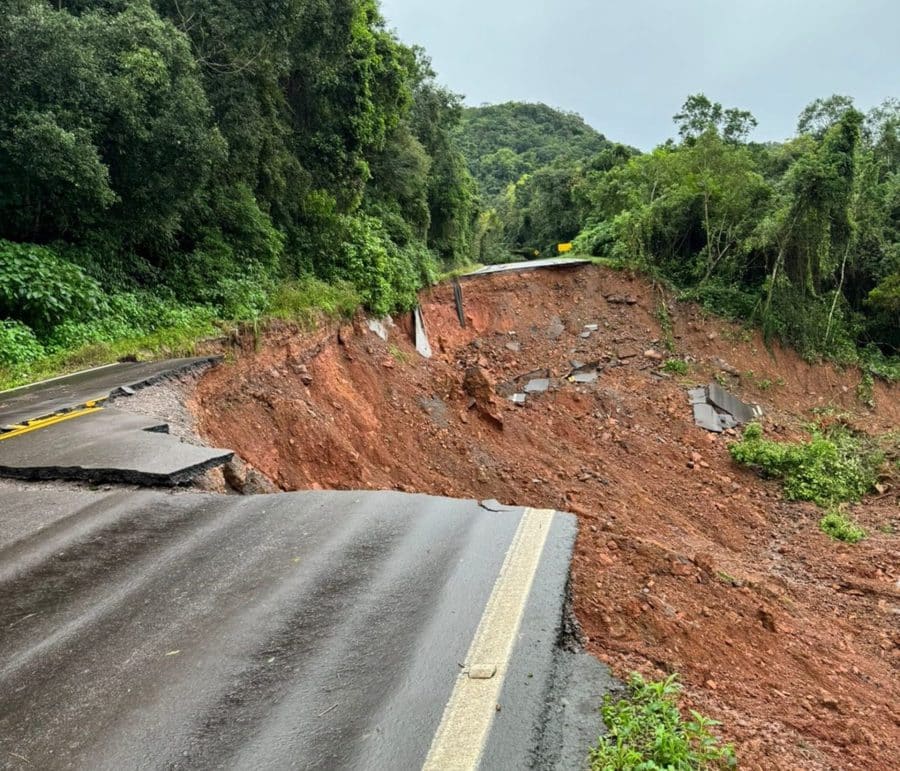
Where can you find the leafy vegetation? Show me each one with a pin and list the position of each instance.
(648, 733)
(841, 528)
(166, 163)
(676, 367)
(836, 466)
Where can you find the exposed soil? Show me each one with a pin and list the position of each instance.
(684, 561)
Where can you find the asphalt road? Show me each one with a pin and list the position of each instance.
(47, 398)
(143, 629)
(546, 263)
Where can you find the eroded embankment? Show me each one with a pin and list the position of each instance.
(684, 562)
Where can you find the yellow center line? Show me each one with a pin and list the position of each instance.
(37, 425)
(463, 732)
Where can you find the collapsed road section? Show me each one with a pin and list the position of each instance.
(62, 430)
(309, 630)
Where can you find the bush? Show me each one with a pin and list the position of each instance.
(841, 528)
(18, 344)
(647, 733)
(729, 301)
(831, 469)
(676, 367)
(42, 290)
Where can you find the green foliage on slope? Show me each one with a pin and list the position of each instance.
(201, 153)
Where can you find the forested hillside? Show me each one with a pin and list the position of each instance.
(503, 142)
(163, 164)
(524, 158)
(802, 237)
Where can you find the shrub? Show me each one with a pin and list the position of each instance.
(841, 528)
(42, 290)
(832, 468)
(676, 367)
(730, 301)
(18, 344)
(648, 733)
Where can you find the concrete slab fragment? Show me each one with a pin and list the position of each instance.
(378, 327)
(697, 395)
(551, 263)
(706, 417)
(518, 399)
(107, 446)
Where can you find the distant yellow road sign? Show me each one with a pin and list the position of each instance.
(564, 248)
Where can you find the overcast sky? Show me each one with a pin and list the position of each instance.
(626, 66)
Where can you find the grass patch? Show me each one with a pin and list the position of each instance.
(648, 733)
(165, 342)
(837, 466)
(676, 367)
(840, 527)
(307, 299)
(148, 327)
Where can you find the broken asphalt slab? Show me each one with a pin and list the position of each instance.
(726, 402)
(717, 410)
(107, 446)
(70, 391)
(312, 630)
(551, 263)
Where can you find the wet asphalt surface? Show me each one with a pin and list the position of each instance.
(142, 629)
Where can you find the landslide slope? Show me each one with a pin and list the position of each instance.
(684, 561)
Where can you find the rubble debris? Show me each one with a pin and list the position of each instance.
(584, 373)
(518, 399)
(378, 327)
(618, 299)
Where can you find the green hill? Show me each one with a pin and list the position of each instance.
(504, 141)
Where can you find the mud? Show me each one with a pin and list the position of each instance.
(684, 561)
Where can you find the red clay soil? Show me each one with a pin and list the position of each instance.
(684, 562)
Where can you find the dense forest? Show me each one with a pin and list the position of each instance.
(166, 164)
